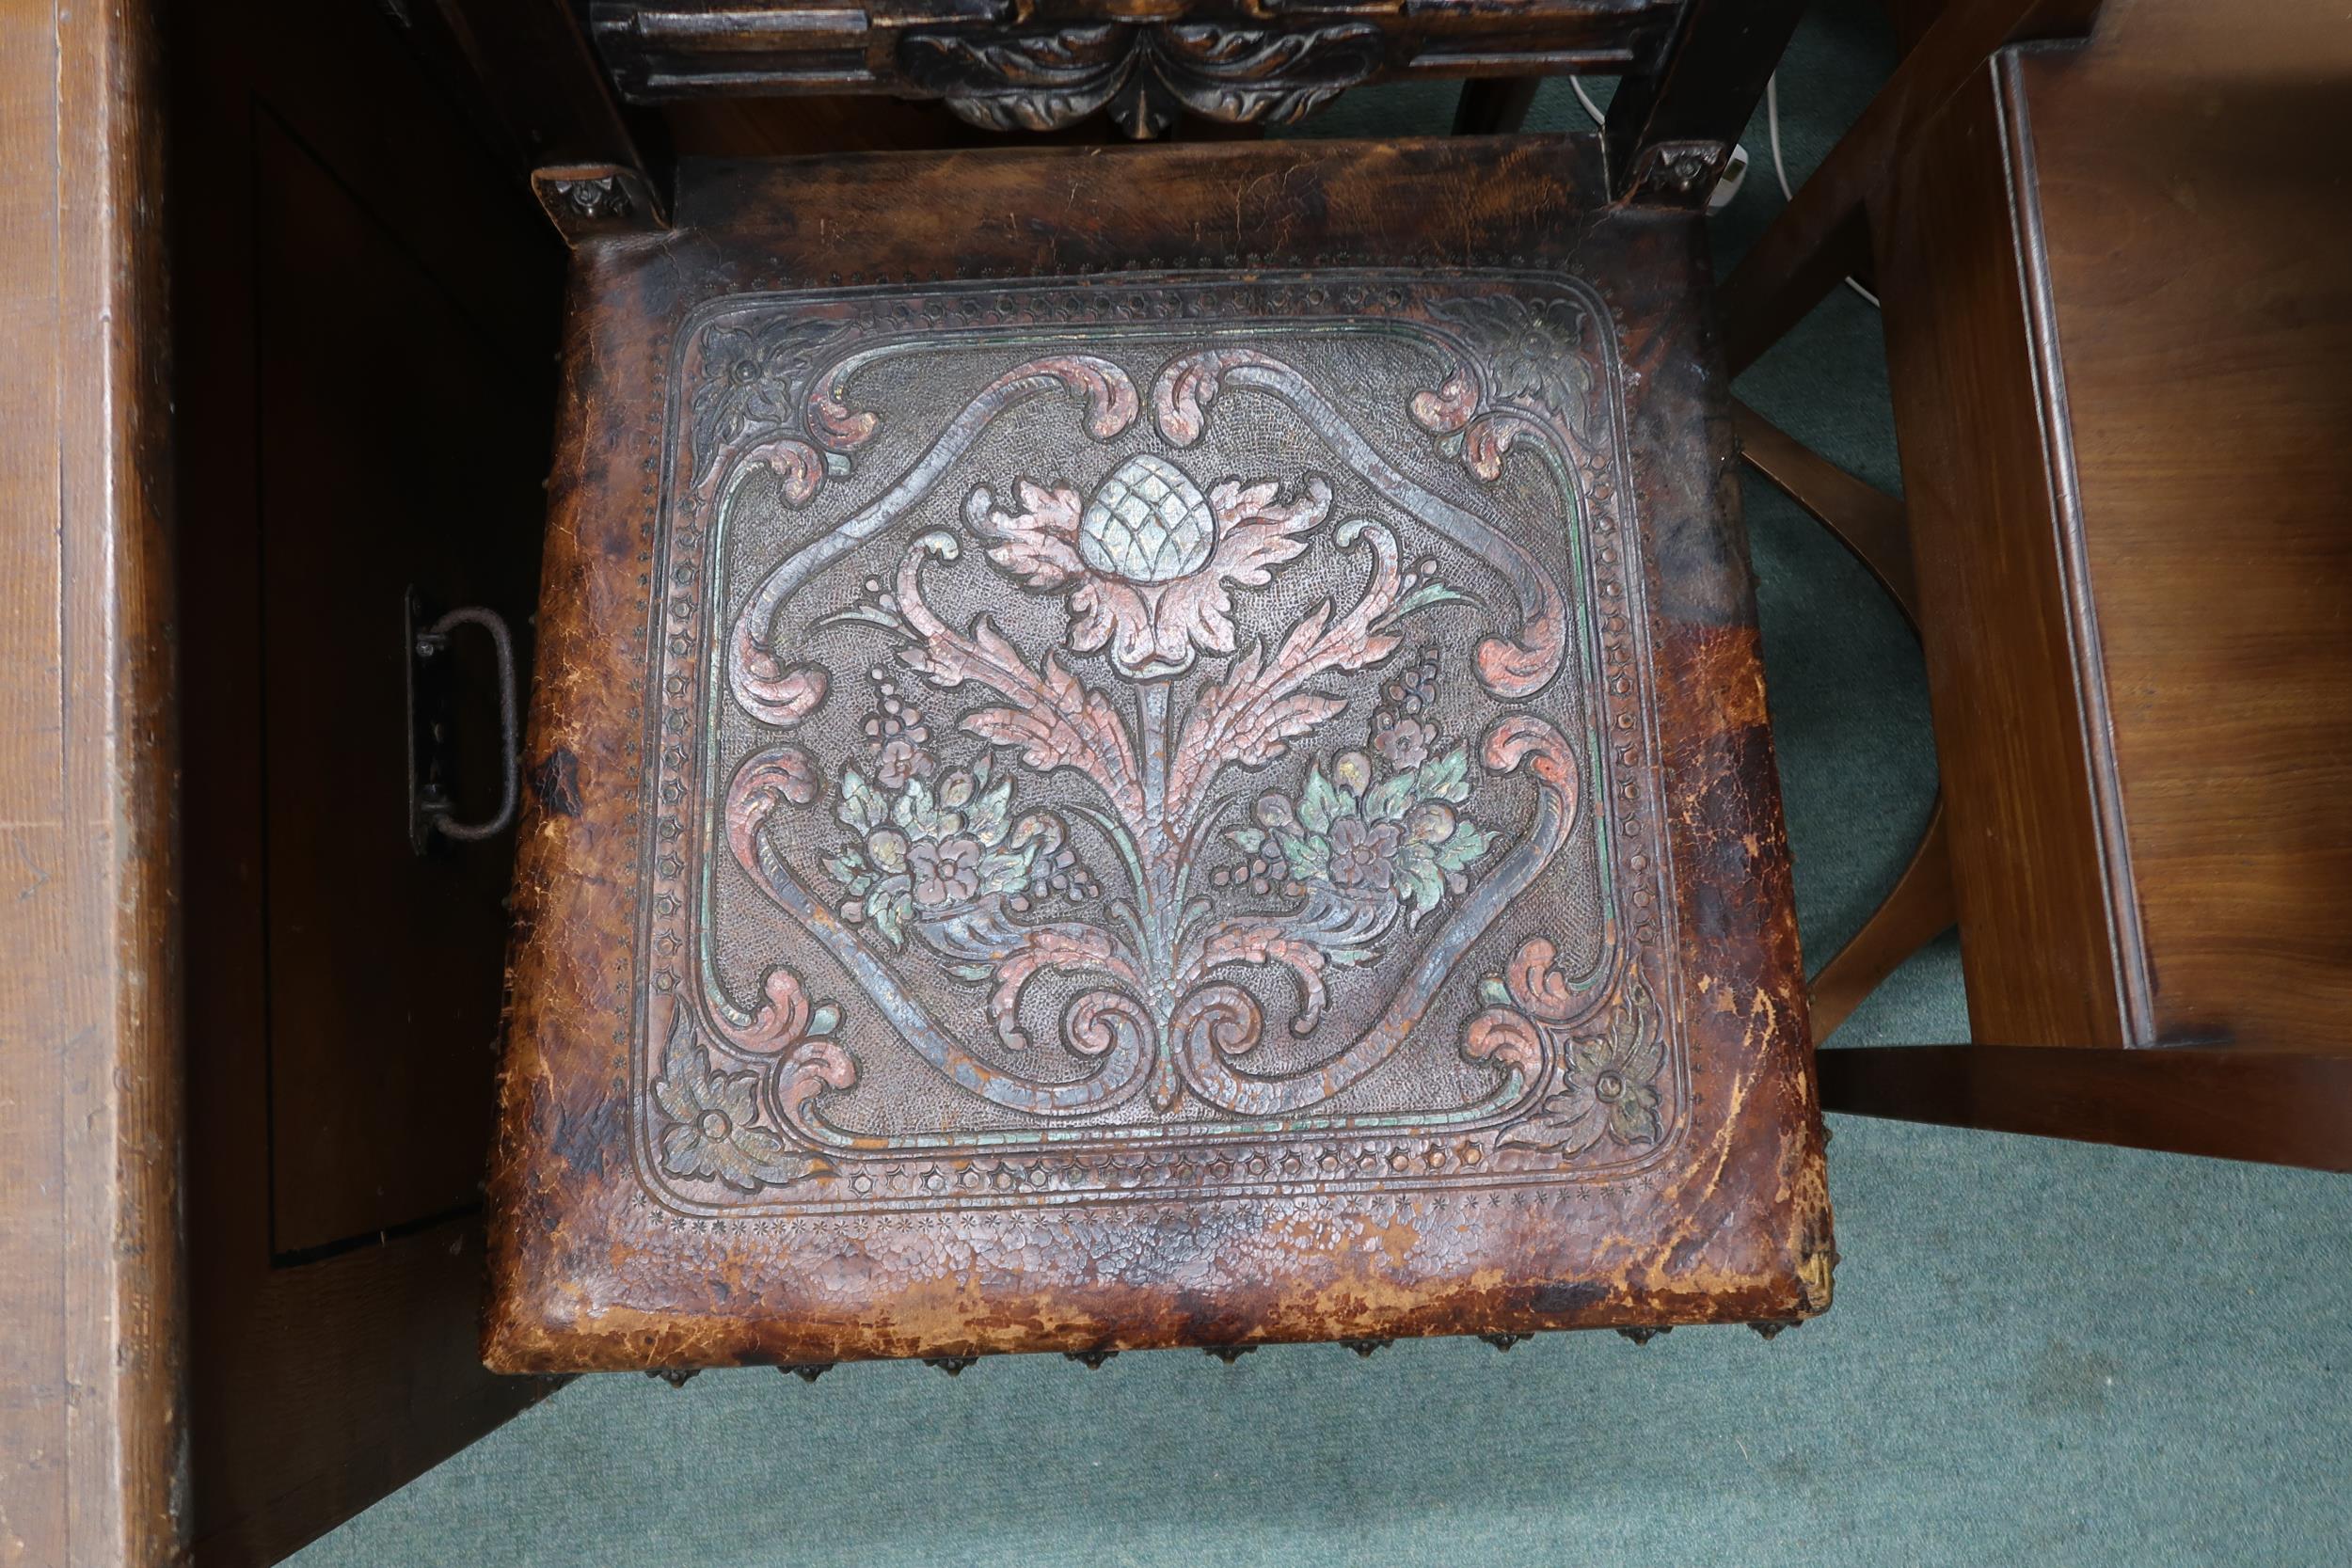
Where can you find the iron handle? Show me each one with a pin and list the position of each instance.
(433, 811)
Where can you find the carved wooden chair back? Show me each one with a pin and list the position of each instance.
(1692, 69)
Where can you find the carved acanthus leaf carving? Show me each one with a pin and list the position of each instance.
(1047, 79)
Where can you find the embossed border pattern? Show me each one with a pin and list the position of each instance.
(727, 1100)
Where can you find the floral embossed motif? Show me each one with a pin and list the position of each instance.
(1148, 563)
(1602, 1084)
(1219, 730)
(1531, 349)
(713, 1116)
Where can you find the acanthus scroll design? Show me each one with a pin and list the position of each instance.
(1115, 795)
(1044, 81)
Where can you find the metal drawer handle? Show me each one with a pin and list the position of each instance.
(435, 809)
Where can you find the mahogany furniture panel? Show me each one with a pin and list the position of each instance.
(93, 1430)
(2194, 238)
(2288, 1107)
(2020, 741)
(2118, 323)
(1825, 233)
(1089, 797)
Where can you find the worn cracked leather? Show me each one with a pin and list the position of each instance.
(1189, 769)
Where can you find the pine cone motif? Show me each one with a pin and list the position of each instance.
(1148, 563)
(1148, 522)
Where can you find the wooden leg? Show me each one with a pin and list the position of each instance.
(1670, 131)
(1920, 909)
(1495, 106)
(2280, 1107)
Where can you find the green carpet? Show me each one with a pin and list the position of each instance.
(2041, 1352)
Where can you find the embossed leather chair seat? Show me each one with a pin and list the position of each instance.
(1148, 748)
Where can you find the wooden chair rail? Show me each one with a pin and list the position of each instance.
(1918, 909)
(1671, 130)
(2280, 1107)
(1861, 516)
(1495, 106)
(1871, 524)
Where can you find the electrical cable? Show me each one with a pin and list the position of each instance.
(1586, 99)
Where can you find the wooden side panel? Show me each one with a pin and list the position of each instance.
(2019, 730)
(367, 304)
(2197, 246)
(378, 1029)
(92, 1428)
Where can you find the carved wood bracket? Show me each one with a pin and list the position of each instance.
(588, 201)
(1046, 80)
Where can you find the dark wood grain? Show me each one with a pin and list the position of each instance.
(2117, 338)
(2279, 1107)
(1064, 59)
(1728, 1224)
(2203, 318)
(2028, 777)
(93, 1432)
(365, 326)
(1672, 124)
(534, 79)
(1823, 234)
(731, 127)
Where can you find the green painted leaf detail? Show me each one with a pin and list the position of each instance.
(1421, 885)
(1319, 803)
(1005, 870)
(1633, 1122)
(890, 913)
(1390, 799)
(1445, 778)
(1307, 856)
(1492, 992)
(1464, 844)
(825, 1019)
(918, 811)
(1247, 840)
(1422, 597)
(990, 814)
(862, 808)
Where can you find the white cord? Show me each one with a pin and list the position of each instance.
(1780, 169)
(1586, 99)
